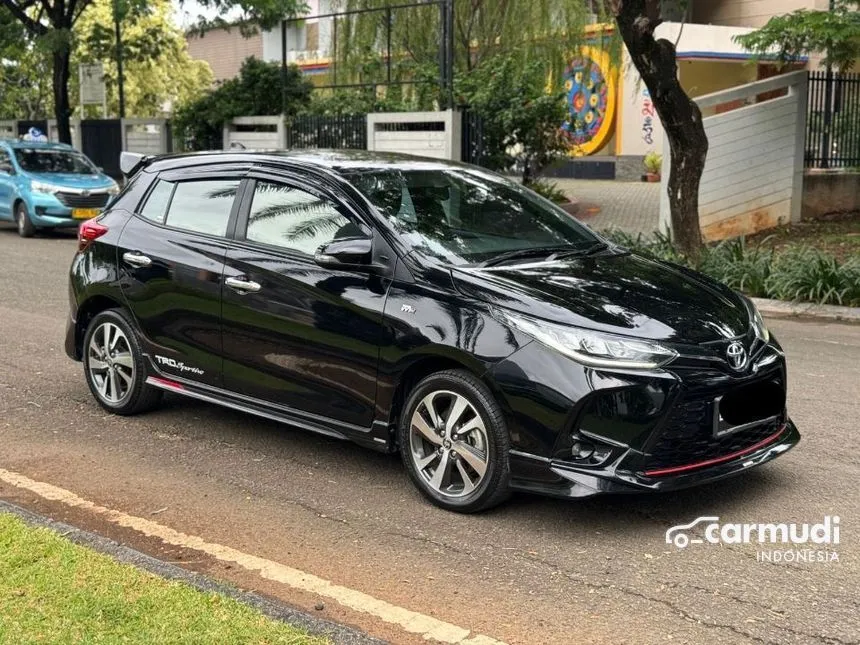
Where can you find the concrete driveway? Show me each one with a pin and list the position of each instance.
(533, 571)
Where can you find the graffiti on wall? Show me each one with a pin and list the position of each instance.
(648, 116)
(590, 95)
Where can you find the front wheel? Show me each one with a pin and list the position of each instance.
(23, 222)
(114, 366)
(454, 442)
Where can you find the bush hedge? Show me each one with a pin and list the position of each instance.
(796, 273)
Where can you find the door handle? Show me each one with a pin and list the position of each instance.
(242, 286)
(136, 259)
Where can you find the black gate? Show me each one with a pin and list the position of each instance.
(336, 131)
(101, 141)
(833, 123)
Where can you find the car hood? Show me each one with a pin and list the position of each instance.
(615, 292)
(72, 180)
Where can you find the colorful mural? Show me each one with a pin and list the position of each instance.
(590, 93)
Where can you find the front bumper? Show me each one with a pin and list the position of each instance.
(577, 431)
(569, 481)
(48, 211)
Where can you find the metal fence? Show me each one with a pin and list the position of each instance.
(833, 124)
(473, 147)
(336, 131)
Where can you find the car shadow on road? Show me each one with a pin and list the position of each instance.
(617, 515)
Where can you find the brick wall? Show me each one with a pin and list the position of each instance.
(225, 50)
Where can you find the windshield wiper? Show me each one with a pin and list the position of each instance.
(535, 251)
(594, 247)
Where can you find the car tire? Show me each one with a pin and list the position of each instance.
(473, 447)
(117, 378)
(23, 222)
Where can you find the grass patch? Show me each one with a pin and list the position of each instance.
(54, 591)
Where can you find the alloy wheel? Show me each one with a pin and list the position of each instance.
(448, 443)
(110, 362)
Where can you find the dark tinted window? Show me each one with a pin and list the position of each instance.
(47, 160)
(295, 219)
(155, 207)
(202, 206)
(466, 215)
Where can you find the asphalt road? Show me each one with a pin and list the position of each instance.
(532, 571)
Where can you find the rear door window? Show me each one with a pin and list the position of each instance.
(201, 206)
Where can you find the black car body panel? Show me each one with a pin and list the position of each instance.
(335, 350)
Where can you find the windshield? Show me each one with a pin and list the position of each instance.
(467, 216)
(46, 160)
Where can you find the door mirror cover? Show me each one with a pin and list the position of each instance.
(352, 253)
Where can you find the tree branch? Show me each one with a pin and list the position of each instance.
(19, 10)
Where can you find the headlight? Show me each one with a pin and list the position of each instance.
(592, 348)
(760, 328)
(40, 187)
(113, 189)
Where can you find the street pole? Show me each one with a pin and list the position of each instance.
(120, 78)
(826, 150)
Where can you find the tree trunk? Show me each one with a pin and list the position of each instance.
(62, 109)
(681, 117)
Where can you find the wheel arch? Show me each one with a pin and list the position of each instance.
(422, 366)
(87, 310)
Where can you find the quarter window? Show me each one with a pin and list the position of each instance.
(295, 219)
(201, 206)
(155, 207)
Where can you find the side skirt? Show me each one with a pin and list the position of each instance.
(361, 436)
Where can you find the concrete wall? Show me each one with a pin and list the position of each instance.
(829, 192)
(753, 175)
(225, 50)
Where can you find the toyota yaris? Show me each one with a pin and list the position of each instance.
(425, 307)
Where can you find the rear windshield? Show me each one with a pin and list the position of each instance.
(45, 160)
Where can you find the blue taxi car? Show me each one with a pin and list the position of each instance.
(49, 185)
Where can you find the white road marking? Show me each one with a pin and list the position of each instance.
(411, 621)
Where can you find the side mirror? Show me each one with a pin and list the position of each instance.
(352, 254)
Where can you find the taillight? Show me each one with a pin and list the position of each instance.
(89, 231)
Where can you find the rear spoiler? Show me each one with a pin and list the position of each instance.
(129, 162)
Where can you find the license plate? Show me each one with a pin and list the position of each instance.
(84, 213)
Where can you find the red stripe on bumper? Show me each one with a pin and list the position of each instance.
(157, 380)
(717, 460)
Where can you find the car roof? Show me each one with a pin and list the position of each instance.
(37, 145)
(330, 160)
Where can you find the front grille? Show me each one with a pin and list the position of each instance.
(75, 200)
(688, 436)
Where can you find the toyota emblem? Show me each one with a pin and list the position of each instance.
(736, 355)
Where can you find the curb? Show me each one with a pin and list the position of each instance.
(339, 634)
(781, 309)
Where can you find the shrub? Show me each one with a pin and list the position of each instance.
(738, 265)
(657, 245)
(549, 190)
(805, 273)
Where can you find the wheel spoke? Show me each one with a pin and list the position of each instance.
(426, 431)
(125, 377)
(124, 359)
(102, 386)
(95, 348)
(106, 336)
(468, 485)
(116, 336)
(426, 461)
(427, 402)
(441, 471)
(459, 406)
(114, 391)
(472, 424)
(472, 457)
(96, 364)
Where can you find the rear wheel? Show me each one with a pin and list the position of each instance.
(22, 220)
(454, 442)
(114, 366)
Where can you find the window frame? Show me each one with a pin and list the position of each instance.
(299, 182)
(183, 176)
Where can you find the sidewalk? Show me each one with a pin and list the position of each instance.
(633, 207)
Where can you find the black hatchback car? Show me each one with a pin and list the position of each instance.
(428, 307)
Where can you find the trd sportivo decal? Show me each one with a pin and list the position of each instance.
(177, 365)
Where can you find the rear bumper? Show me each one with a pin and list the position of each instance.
(563, 480)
